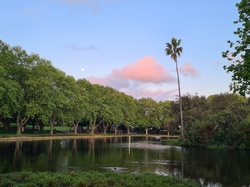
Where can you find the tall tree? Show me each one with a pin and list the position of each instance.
(174, 50)
(21, 71)
(94, 113)
(58, 96)
(164, 111)
(10, 89)
(81, 103)
(147, 115)
(46, 91)
(129, 109)
(240, 56)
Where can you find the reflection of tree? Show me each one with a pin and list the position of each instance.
(50, 148)
(104, 140)
(228, 168)
(91, 148)
(74, 147)
(17, 153)
(129, 144)
(209, 166)
(182, 162)
(116, 139)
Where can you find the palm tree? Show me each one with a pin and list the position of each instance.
(175, 51)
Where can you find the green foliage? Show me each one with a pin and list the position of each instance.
(241, 136)
(82, 179)
(197, 134)
(219, 120)
(148, 115)
(240, 54)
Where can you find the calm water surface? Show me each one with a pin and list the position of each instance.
(132, 155)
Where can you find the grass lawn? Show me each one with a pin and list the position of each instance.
(28, 131)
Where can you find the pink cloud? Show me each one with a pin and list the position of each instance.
(145, 70)
(188, 70)
(158, 95)
(110, 80)
(138, 78)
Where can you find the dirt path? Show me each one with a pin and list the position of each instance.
(61, 137)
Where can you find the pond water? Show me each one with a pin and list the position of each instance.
(128, 154)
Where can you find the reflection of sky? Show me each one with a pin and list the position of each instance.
(200, 164)
(64, 144)
(121, 43)
(149, 146)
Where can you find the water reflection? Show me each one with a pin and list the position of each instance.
(128, 154)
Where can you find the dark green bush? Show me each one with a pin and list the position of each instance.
(89, 179)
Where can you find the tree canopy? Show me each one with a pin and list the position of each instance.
(240, 54)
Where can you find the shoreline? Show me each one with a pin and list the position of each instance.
(85, 136)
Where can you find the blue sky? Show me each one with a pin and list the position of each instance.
(120, 43)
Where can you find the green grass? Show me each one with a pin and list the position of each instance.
(59, 128)
(215, 147)
(29, 130)
(90, 179)
(172, 141)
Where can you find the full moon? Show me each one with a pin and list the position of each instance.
(82, 69)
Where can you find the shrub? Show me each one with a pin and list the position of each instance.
(88, 179)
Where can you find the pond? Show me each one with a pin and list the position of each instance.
(128, 154)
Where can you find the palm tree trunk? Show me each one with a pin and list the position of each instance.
(179, 89)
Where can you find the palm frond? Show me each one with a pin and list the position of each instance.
(174, 42)
(179, 42)
(179, 51)
(174, 49)
(169, 51)
(169, 45)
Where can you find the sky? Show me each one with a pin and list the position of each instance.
(121, 43)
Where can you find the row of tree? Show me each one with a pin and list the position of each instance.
(33, 89)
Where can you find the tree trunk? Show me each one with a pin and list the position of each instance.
(93, 126)
(51, 123)
(105, 127)
(146, 129)
(128, 130)
(105, 130)
(20, 123)
(18, 129)
(116, 129)
(6, 123)
(41, 127)
(33, 126)
(76, 127)
(92, 131)
(180, 102)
